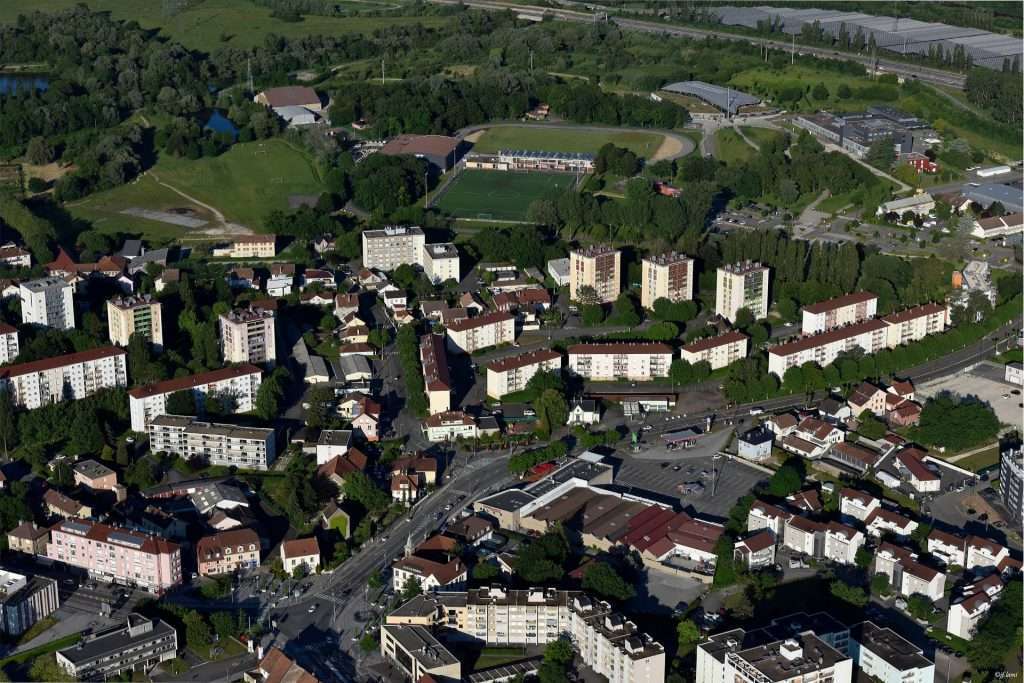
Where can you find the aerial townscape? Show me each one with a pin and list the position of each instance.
(424, 341)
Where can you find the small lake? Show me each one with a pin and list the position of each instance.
(11, 83)
(219, 123)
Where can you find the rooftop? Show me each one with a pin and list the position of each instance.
(193, 381)
(592, 250)
(840, 301)
(830, 337)
(45, 364)
(494, 318)
(92, 469)
(523, 360)
(621, 348)
(743, 267)
(889, 646)
(116, 640)
(667, 258)
(730, 337)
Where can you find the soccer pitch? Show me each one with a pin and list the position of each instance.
(500, 195)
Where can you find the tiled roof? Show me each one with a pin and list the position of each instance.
(45, 364)
(193, 381)
(840, 302)
(300, 547)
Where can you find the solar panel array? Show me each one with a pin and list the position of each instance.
(905, 36)
(76, 528)
(546, 156)
(726, 99)
(124, 538)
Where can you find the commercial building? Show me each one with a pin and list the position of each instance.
(998, 226)
(441, 262)
(887, 657)
(135, 315)
(138, 644)
(483, 331)
(1011, 480)
(512, 374)
(839, 312)
(823, 349)
(987, 194)
(238, 383)
(227, 552)
(558, 269)
(598, 268)
(719, 351)
(48, 301)
(915, 323)
(771, 655)
(635, 361)
(919, 205)
(440, 151)
(437, 382)
(300, 553)
(535, 160)
(392, 246)
(224, 445)
(247, 336)
(728, 100)
(71, 377)
(116, 555)
(24, 600)
(741, 285)
(9, 347)
(666, 276)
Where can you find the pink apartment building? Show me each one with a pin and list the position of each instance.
(116, 555)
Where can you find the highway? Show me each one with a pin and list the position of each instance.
(921, 73)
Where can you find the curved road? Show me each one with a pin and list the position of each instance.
(922, 73)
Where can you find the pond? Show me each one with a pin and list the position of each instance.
(10, 83)
(219, 123)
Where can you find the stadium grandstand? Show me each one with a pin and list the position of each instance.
(727, 99)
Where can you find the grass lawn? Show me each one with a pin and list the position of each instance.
(229, 647)
(205, 25)
(565, 140)
(500, 195)
(980, 461)
(761, 136)
(497, 656)
(731, 148)
(244, 183)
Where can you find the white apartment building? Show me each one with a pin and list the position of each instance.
(915, 323)
(392, 246)
(856, 504)
(437, 381)
(636, 361)
(824, 348)
(9, 347)
(839, 312)
(248, 336)
(441, 262)
(842, 543)
(483, 331)
(254, 246)
(719, 351)
(742, 285)
(73, 376)
(449, 426)
(883, 521)
(767, 516)
(239, 382)
(804, 536)
(48, 301)
(598, 267)
(906, 574)
(135, 315)
(250, 448)
(761, 657)
(666, 276)
(511, 374)
(887, 657)
(971, 607)
(116, 555)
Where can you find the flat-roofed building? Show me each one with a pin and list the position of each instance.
(437, 381)
(227, 552)
(870, 336)
(138, 644)
(247, 336)
(719, 351)
(24, 600)
(134, 315)
(636, 361)
(441, 262)
(331, 444)
(558, 269)
(666, 276)
(393, 246)
(70, 377)
(513, 373)
(48, 301)
(771, 655)
(742, 285)
(418, 654)
(885, 656)
(238, 383)
(597, 267)
(839, 312)
(483, 331)
(224, 445)
(915, 323)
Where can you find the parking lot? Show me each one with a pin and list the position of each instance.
(984, 381)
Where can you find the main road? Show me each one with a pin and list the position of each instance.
(922, 73)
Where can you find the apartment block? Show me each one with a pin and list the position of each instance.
(906, 574)
(630, 361)
(441, 262)
(666, 276)
(225, 445)
(742, 285)
(247, 336)
(842, 543)
(483, 331)
(48, 301)
(9, 347)
(719, 351)
(755, 551)
(764, 515)
(512, 374)
(138, 644)
(116, 555)
(598, 267)
(437, 381)
(134, 315)
(839, 312)
(771, 655)
(869, 336)
(238, 383)
(392, 246)
(885, 656)
(856, 504)
(971, 606)
(804, 536)
(24, 600)
(915, 323)
(227, 552)
(417, 654)
(71, 377)
(254, 246)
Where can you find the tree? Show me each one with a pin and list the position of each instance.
(847, 593)
(624, 311)
(739, 605)
(225, 624)
(957, 423)
(1000, 633)
(485, 572)
(863, 558)
(882, 153)
(591, 314)
(880, 584)
(197, 631)
(870, 426)
(587, 295)
(602, 579)
(318, 398)
(788, 478)
(8, 424)
(920, 607)
(688, 635)
(361, 489)
(552, 410)
(39, 151)
(411, 588)
(820, 92)
(542, 560)
(46, 670)
(558, 656)
(180, 403)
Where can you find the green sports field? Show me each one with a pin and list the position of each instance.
(541, 139)
(500, 195)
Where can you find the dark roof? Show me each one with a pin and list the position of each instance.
(621, 348)
(706, 343)
(829, 337)
(60, 361)
(193, 381)
(291, 96)
(915, 312)
(840, 302)
(523, 360)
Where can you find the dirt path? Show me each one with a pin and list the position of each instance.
(979, 449)
(224, 227)
(670, 148)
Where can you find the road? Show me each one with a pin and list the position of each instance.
(928, 75)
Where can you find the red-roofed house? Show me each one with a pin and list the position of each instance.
(300, 553)
(910, 463)
(756, 551)
(866, 397)
(804, 536)
(967, 610)
(766, 516)
(882, 520)
(906, 574)
(276, 667)
(842, 543)
(857, 504)
(227, 552)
